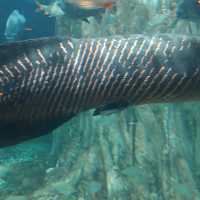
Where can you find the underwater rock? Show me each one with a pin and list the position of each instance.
(187, 9)
(16, 198)
(186, 27)
(133, 172)
(4, 170)
(94, 187)
(117, 185)
(64, 189)
(3, 184)
(67, 187)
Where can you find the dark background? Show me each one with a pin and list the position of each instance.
(41, 25)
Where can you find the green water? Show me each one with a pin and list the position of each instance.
(146, 152)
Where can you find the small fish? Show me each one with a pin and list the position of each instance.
(91, 4)
(14, 25)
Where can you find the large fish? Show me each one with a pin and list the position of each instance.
(45, 82)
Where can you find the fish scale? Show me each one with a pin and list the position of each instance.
(45, 82)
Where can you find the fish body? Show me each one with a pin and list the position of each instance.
(14, 25)
(188, 9)
(45, 82)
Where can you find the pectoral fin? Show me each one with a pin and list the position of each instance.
(110, 108)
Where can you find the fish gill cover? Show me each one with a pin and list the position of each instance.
(145, 152)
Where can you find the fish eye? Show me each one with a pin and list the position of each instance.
(198, 2)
